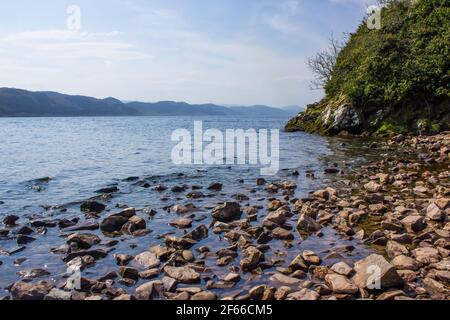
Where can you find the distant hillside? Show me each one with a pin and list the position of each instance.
(22, 103)
(391, 80)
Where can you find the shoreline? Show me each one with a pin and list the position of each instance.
(250, 260)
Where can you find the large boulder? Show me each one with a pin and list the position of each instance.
(374, 273)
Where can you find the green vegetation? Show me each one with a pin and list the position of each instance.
(392, 77)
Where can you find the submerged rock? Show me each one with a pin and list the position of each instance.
(92, 206)
(10, 220)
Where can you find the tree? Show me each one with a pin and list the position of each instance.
(322, 64)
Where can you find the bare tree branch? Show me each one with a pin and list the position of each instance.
(322, 64)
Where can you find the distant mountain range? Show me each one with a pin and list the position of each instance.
(23, 103)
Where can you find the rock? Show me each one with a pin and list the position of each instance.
(252, 257)
(278, 217)
(161, 252)
(372, 186)
(331, 170)
(129, 273)
(83, 240)
(443, 203)
(394, 249)
(374, 270)
(402, 262)
(124, 297)
(183, 209)
(187, 255)
(261, 181)
(92, 206)
(215, 187)
(340, 284)
(436, 287)
(33, 273)
(383, 177)
(90, 224)
(147, 260)
(283, 234)
(342, 268)
(304, 294)
(322, 194)
(232, 277)
(96, 254)
(229, 211)
(199, 233)
(184, 275)
(25, 231)
(169, 284)
(27, 291)
(181, 223)
(414, 223)
(107, 190)
(257, 292)
(204, 296)
(123, 259)
(113, 224)
(311, 257)
(23, 239)
(298, 264)
(390, 295)
(420, 190)
(435, 213)
(10, 220)
(274, 205)
(426, 255)
(133, 225)
(57, 294)
(145, 291)
(179, 243)
(282, 292)
(307, 224)
(195, 195)
(281, 278)
(149, 274)
(178, 189)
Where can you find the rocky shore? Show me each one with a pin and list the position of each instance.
(398, 208)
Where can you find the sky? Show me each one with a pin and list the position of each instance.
(237, 52)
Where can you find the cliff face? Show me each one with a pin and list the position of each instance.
(396, 79)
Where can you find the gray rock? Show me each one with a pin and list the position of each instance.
(147, 260)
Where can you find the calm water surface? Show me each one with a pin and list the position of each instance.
(82, 155)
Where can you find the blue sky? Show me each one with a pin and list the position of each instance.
(241, 52)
